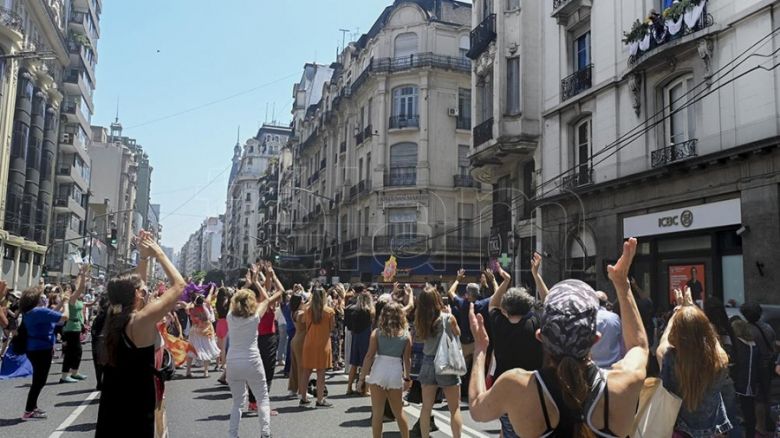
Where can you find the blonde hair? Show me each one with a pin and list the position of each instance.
(243, 304)
(699, 361)
(392, 321)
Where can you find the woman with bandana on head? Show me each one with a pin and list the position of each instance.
(570, 396)
(127, 402)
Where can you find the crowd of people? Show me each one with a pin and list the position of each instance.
(561, 361)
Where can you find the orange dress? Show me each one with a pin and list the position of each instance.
(317, 353)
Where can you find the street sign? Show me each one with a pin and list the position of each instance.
(495, 243)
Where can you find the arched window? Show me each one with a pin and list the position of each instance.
(463, 46)
(583, 149)
(403, 165)
(581, 263)
(405, 107)
(405, 45)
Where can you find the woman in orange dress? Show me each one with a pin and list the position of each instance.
(317, 353)
(296, 346)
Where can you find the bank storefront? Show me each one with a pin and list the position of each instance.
(698, 246)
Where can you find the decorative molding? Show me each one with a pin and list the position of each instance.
(705, 48)
(671, 62)
(635, 86)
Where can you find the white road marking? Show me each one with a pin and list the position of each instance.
(466, 431)
(74, 415)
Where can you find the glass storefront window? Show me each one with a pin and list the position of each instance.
(733, 279)
(685, 244)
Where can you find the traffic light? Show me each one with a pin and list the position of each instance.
(113, 237)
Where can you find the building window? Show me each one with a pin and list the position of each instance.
(583, 150)
(248, 197)
(403, 164)
(402, 223)
(366, 222)
(465, 220)
(513, 86)
(463, 160)
(464, 44)
(368, 168)
(582, 51)
(680, 123)
(485, 94)
(405, 45)
(464, 109)
(404, 107)
(511, 5)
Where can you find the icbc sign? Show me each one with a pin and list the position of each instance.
(685, 219)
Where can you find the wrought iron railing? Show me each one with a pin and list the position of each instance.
(465, 181)
(359, 138)
(674, 153)
(368, 132)
(482, 36)
(417, 60)
(580, 177)
(11, 19)
(401, 176)
(577, 82)
(405, 121)
(460, 243)
(483, 132)
(660, 34)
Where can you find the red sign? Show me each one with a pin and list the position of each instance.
(692, 276)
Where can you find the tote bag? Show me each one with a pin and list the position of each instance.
(658, 409)
(449, 358)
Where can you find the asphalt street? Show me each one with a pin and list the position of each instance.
(200, 407)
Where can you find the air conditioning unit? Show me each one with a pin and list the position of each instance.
(453, 112)
(67, 138)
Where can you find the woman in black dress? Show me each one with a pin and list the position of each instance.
(130, 388)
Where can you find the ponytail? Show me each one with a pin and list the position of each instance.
(572, 377)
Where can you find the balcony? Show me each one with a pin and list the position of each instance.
(657, 34)
(483, 132)
(400, 244)
(466, 244)
(405, 63)
(583, 176)
(368, 132)
(323, 164)
(463, 123)
(404, 121)
(343, 147)
(361, 188)
(482, 36)
(359, 138)
(401, 177)
(673, 154)
(576, 83)
(563, 9)
(465, 181)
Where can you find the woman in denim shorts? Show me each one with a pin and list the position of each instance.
(428, 322)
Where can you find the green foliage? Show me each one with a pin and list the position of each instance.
(198, 276)
(637, 32)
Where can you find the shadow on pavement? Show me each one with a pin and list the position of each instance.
(355, 409)
(81, 391)
(215, 418)
(213, 397)
(75, 403)
(366, 422)
(5, 422)
(86, 427)
(212, 389)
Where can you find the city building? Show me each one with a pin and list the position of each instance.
(380, 165)
(202, 251)
(113, 205)
(71, 200)
(657, 120)
(34, 53)
(241, 245)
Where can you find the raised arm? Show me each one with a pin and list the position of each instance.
(262, 306)
(275, 279)
(143, 262)
(541, 288)
(495, 300)
(81, 282)
(155, 310)
(454, 286)
(634, 336)
(64, 308)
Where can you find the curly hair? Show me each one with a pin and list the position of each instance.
(243, 304)
(392, 321)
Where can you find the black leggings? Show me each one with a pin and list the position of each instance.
(41, 363)
(71, 351)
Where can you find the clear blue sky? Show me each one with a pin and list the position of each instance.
(160, 58)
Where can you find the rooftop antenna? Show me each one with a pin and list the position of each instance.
(266, 113)
(117, 110)
(238, 135)
(273, 115)
(344, 33)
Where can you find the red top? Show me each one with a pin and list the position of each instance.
(267, 326)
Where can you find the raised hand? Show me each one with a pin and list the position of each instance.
(536, 262)
(461, 275)
(478, 330)
(618, 273)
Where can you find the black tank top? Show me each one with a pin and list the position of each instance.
(571, 419)
(128, 398)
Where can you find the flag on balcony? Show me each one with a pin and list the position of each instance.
(390, 269)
